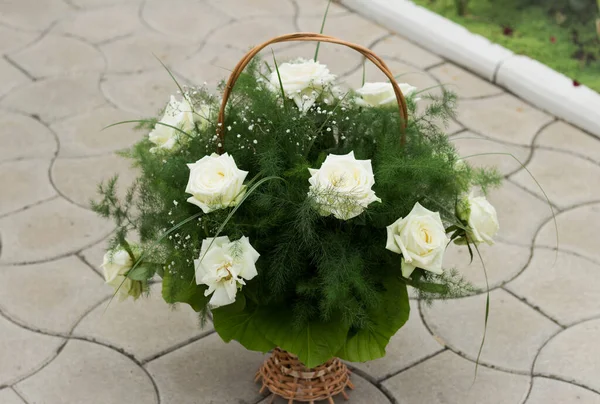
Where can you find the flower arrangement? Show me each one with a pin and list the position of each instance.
(297, 212)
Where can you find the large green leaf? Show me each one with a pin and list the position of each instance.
(369, 344)
(314, 344)
(182, 291)
(238, 321)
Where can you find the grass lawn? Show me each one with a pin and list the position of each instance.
(547, 36)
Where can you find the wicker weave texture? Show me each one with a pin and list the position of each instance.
(285, 376)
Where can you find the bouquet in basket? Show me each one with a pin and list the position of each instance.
(297, 212)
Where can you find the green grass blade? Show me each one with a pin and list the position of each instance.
(173, 78)
(407, 73)
(487, 311)
(364, 73)
(538, 185)
(321, 31)
(432, 87)
(230, 215)
(148, 121)
(278, 77)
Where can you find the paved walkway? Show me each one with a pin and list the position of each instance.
(70, 67)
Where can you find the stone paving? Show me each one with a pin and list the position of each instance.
(70, 67)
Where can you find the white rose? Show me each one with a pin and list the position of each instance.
(115, 265)
(178, 114)
(382, 94)
(215, 182)
(342, 186)
(302, 80)
(421, 239)
(224, 267)
(481, 217)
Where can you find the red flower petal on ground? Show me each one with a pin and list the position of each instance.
(508, 31)
(553, 39)
(576, 83)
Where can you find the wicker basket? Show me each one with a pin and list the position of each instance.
(282, 373)
(285, 376)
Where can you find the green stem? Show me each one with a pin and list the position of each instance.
(321, 31)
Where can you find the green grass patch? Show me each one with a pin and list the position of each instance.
(555, 36)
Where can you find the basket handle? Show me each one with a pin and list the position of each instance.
(307, 37)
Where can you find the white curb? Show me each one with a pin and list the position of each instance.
(527, 78)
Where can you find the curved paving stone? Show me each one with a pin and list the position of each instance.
(183, 19)
(568, 290)
(11, 77)
(199, 370)
(93, 255)
(12, 39)
(143, 328)
(145, 93)
(463, 83)
(469, 144)
(399, 48)
(316, 8)
(546, 391)
(561, 135)
(90, 4)
(32, 15)
(364, 392)
(139, 52)
(89, 373)
(448, 378)
(22, 352)
(57, 97)
(256, 8)
(505, 118)
(24, 183)
(34, 140)
(51, 296)
(58, 55)
(247, 33)
(515, 331)
(573, 355)
(567, 180)
(102, 24)
(8, 396)
(578, 231)
(77, 178)
(209, 66)
(49, 230)
(349, 27)
(83, 135)
(411, 344)
(502, 262)
(520, 214)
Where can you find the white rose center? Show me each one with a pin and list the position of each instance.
(224, 272)
(213, 179)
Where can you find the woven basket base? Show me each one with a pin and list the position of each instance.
(286, 377)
